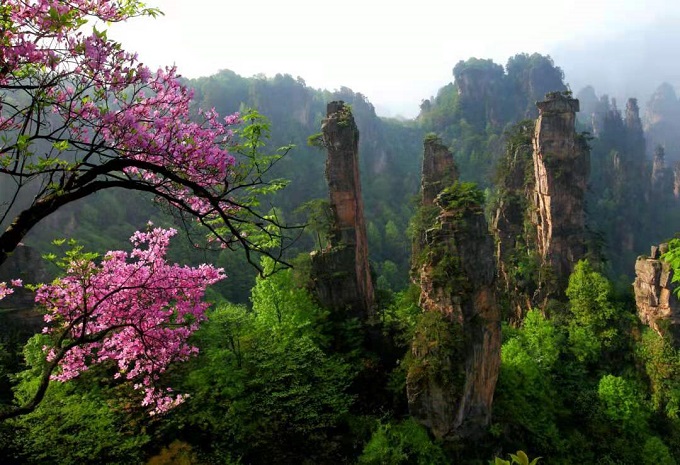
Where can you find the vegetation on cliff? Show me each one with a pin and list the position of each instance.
(278, 377)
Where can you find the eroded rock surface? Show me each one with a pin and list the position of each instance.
(657, 305)
(439, 170)
(561, 165)
(515, 237)
(455, 354)
(341, 273)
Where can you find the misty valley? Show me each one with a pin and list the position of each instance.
(234, 270)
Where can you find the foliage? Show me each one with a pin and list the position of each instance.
(318, 220)
(80, 115)
(526, 394)
(405, 442)
(177, 453)
(134, 310)
(672, 257)
(437, 351)
(662, 366)
(77, 421)
(286, 309)
(263, 387)
(593, 313)
(461, 196)
(520, 458)
(316, 140)
(622, 402)
(655, 452)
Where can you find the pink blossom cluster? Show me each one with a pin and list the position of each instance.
(133, 309)
(111, 107)
(40, 30)
(6, 290)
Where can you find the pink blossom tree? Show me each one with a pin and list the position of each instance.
(78, 114)
(133, 310)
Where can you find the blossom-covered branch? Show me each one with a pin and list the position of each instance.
(133, 309)
(79, 114)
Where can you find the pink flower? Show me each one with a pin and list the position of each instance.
(134, 309)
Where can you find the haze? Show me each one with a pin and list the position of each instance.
(398, 53)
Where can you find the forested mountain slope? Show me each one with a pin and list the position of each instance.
(513, 334)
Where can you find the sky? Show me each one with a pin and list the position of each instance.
(395, 52)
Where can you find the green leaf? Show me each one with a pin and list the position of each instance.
(522, 458)
(61, 145)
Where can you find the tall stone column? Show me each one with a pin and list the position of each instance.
(341, 273)
(561, 166)
(455, 353)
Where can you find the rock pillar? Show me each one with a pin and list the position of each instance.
(657, 305)
(341, 273)
(455, 354)
(561, 165)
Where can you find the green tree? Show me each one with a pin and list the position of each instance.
(406, 442)
(623, 403)
(263, 388)
(592, 323)
(526, 398)
(87, 419)
(662, 366)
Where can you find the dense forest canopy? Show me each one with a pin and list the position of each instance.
(482, 337)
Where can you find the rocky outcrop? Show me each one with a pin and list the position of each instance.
(439, 170)
(662, 177)
(589, 103)
(662, 120)
(561, 165)
(676, 180)
(632, 118)
(479, 83)
(515, 238)
(489, 96)
(340, 273)
(635, 137)
(663, 106)
(455, 356)
(657, 305)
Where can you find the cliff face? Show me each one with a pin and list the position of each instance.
(676, 180)
(662, 120)
(635, 137)
(515, 238)
(455, 356)
(341, 273)
(662, 182)
(439, 171)
(663, 106)
(656, 303)
(561, 165)
(479, 82)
